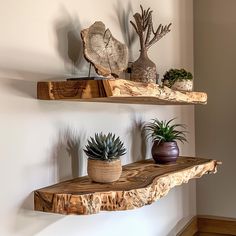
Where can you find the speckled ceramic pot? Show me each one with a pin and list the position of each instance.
(144, 70)
(180, 85)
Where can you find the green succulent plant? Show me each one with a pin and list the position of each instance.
(173, 75)
(164, 131)
(105, 147)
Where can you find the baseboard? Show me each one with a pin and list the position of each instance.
(209, 226)
(211, 234)
(216, 225)
(191, 228)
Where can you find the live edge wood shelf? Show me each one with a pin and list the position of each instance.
(116, 91)
(141, 184)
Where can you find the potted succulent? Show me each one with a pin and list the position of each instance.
(104, 152)
(164, 136)
(178, 79)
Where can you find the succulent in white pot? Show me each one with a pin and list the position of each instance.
(178, 79)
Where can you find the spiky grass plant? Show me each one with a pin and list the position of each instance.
(105, 147)
(164, 131)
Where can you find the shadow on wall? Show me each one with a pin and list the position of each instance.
(26, 87)
(30, 222)
(69, 43)
(68, 155)
(21, 88)
(70, 48)
(124, 14)
(24, 83)
(138, 142)
(26, 218)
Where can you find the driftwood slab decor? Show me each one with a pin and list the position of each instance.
(116, 91)
(152, 91)
(141, 184)
(107, 54)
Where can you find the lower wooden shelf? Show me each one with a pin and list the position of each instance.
(141, 184)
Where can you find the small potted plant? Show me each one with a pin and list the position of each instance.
(178, 79)
(164, 136)
(104, 152)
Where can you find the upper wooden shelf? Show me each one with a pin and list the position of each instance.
(141, 184)
(116, 91)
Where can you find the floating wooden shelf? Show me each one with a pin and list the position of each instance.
(116, 91)
(141, 184)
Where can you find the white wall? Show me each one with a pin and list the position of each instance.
(39, 40)
(215, 60)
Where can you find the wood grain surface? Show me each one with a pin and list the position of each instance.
(141, 183)
(71, 89)
(116, 91)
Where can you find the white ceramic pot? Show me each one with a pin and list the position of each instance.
(180, 85)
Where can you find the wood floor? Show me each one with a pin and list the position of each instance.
(209, 226)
